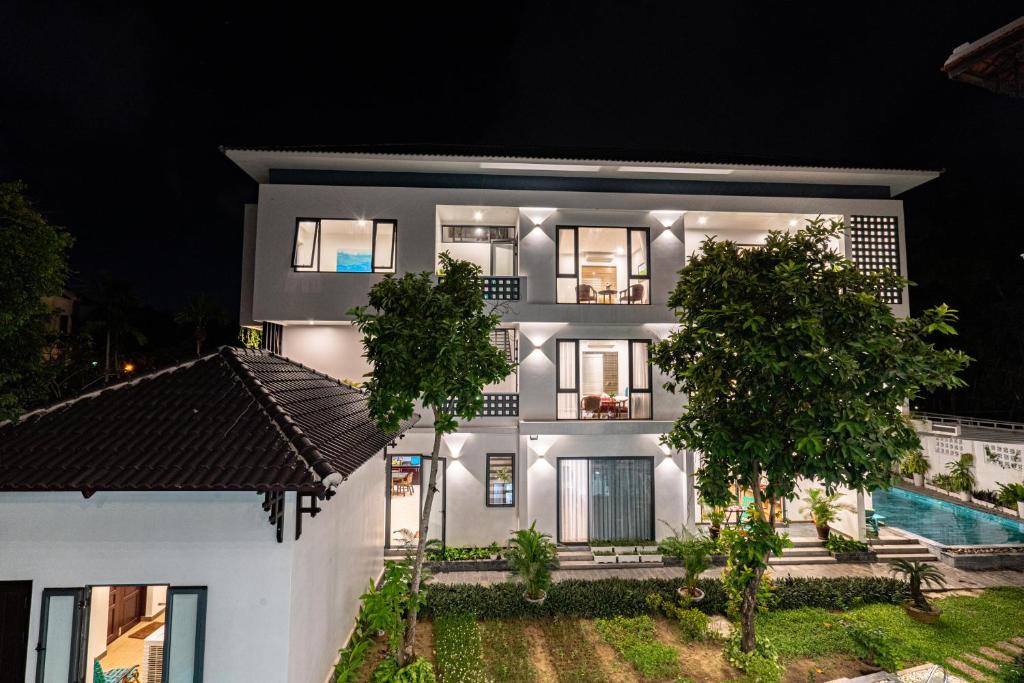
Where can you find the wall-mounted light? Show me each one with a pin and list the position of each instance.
(537, 214)
(455, 443)
(702, 220)
(478, 215)
(667, 218)
(534, 437)
(792, 222)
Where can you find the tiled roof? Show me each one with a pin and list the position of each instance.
(236, 420)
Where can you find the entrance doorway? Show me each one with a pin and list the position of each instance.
(15, 607)
(605, 499)
(406, 479)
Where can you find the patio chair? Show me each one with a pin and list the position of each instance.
(633, 295)
(873, 520)
(129, 675)
(585, 294)
(592, 404)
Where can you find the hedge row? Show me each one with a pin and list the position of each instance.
(605, 598)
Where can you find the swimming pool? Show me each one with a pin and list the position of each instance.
(943, 522)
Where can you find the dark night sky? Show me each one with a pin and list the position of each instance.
(114, 116)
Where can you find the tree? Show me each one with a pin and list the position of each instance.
(33, 265)
(115, 309)
(428, 342)
(794, 368)
(199, 313)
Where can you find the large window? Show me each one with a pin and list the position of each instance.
(603, 379)
(344, 245)
(492, 247)
(603, 265)
(500, 480)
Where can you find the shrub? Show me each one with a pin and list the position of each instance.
(873, 644)
(1013, 672)
(454, 553)
(532, 556)
(625, 542)
(635, 641)
(841, 544)
(987, 495)
(914, 463)
(693, 624)
(1010, 494)
(605, 598)
(761, 665)
(458, 650)
(961, 473)
(420, 671)
(943, 481)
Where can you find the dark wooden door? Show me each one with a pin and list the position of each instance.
(15, 603)
(127, 604)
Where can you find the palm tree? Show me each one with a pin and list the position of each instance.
(918, 574)
(199, 313)
(532, 555)
(116, 307)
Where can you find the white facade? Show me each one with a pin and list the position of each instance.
(677, 206)
(275, 611)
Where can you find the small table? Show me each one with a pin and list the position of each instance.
(607, 294)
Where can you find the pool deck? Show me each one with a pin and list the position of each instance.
(956, 579)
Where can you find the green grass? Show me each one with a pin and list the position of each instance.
(636, 642)
(967, 623)
(457, 649)
(571, 653)
(507, 655)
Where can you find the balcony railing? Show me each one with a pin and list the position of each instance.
(501, 288)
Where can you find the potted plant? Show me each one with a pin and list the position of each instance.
(716, 516)
(914, 466)
(692, 552)
(961, 476)
(824, 508)
(918, 574)
(1011, 495)
(532, 556)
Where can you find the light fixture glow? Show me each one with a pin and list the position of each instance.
(537, 214)
(792, 222)
(681, 170)
(129, 367)
(455, 443)
(478, 215)
(667, 218)
(518, 166)
(702, 220)
(362, 222)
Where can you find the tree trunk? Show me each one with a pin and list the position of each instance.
(408, 653)
(748, 611)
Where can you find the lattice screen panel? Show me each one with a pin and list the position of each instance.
(949, 445)
(875, 246)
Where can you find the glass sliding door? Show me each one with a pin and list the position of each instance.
(503, 258)
(605, 499)
(60, 648)
(602, 265)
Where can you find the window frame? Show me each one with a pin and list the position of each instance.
(199, 644)
(578, 390)
(316, 256)
(487, 480)
(577, 272)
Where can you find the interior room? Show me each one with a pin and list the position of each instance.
(747, 229)
(603, 265)
(485, 235)
(406, 487)
(126, 634)
(344, 246)
(604, 379)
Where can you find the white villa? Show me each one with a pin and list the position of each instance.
(583, 253)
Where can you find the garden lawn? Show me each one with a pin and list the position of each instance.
(507, 655)
(967, 623)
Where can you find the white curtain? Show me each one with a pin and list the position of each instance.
(574, 501)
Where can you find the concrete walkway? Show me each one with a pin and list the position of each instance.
(956, 579)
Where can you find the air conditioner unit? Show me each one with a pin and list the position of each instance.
(944, 429)
(599, 256)
(153, 657)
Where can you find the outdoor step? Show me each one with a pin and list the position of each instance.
(967, 669)
(595, 565)
(1010, 648)
(899, 549)
(807, 543)
(893, 541)
(802, 560)
(981, 662)
(577, 555)
(805, 552)
(913, 557)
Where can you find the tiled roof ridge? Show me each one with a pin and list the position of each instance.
(281, 419)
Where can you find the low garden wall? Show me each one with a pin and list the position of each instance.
(977, 559)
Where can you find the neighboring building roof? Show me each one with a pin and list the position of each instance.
(994, 62)
(993, 431)
(235, 420)
(258, 161)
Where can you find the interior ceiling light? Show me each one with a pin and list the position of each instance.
(681, 170)
(792, 222)
(516, 166)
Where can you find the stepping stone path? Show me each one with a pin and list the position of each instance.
(984, 665)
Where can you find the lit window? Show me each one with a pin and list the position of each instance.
(500, 480)
(603, 266)
(344, 246)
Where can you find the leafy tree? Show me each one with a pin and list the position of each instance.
(115, 311)
(199, 313)
(794, 368)
(429, 341)
(33, 265)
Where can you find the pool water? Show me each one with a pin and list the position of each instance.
(944, 522)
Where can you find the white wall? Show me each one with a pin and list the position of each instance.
(99, 613)
(336, 350)
(340, 551)
(218, 540)
(940, 451)
(156, 600)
